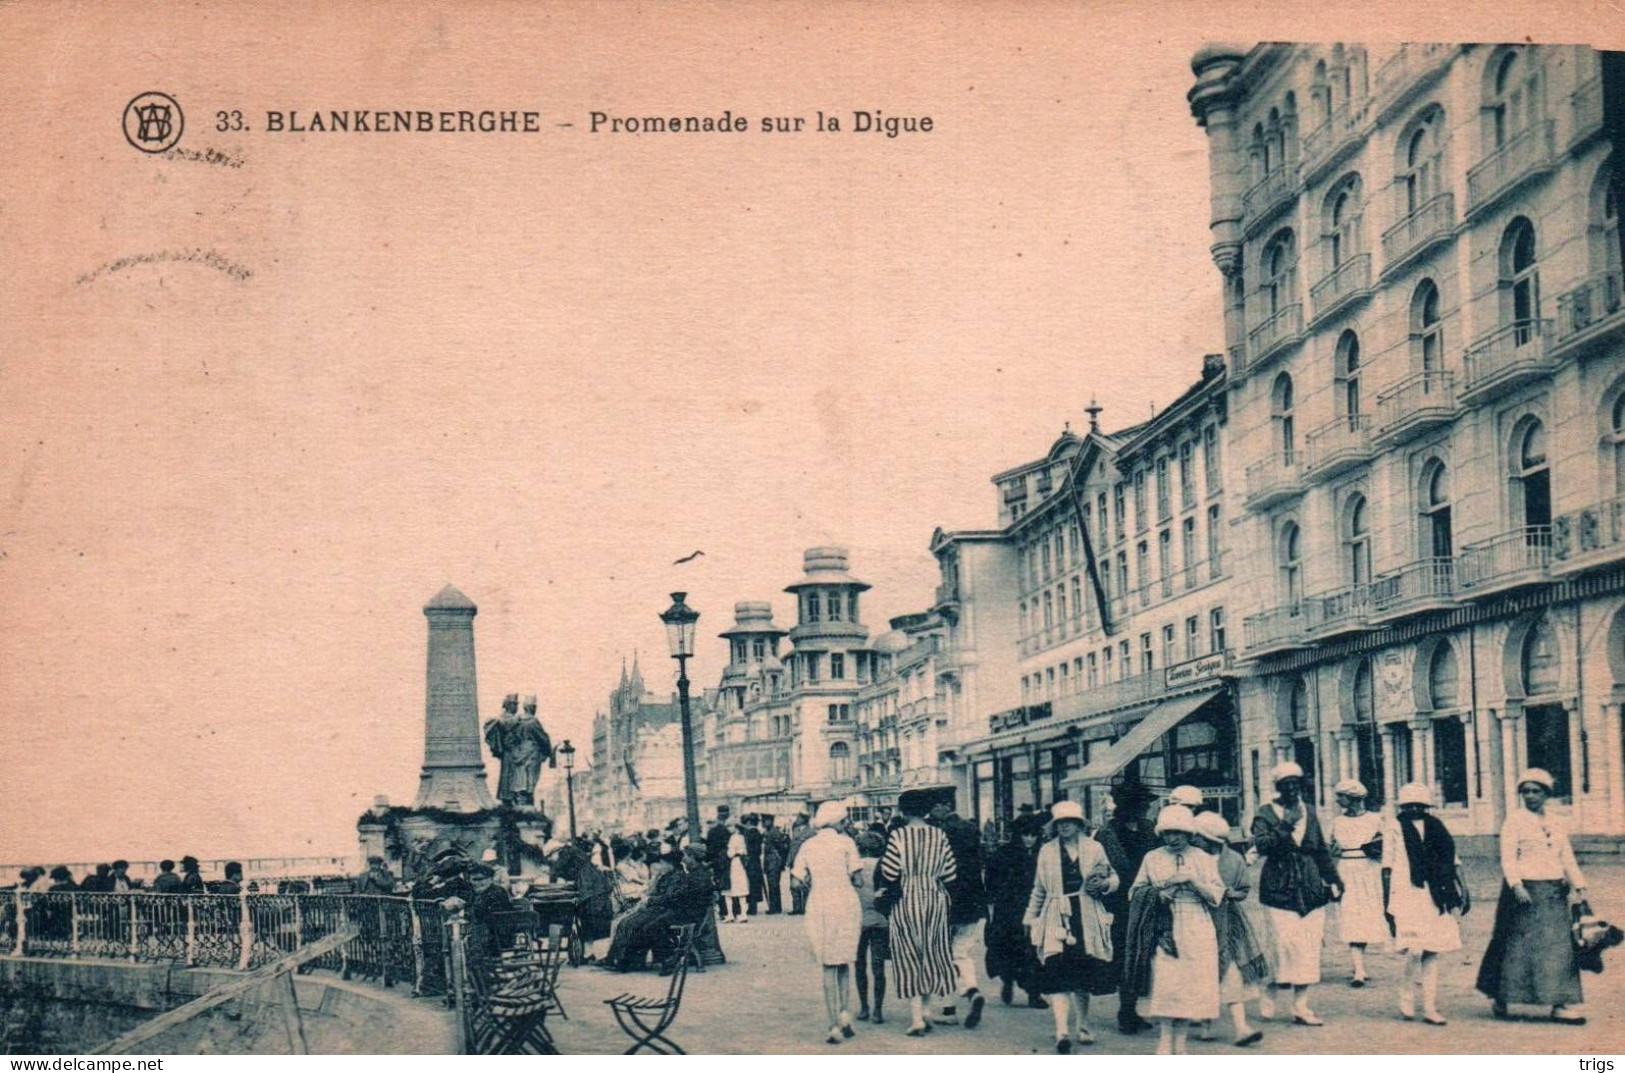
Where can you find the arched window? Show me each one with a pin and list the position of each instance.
(1260, 153)
(1617, 427)
(1436, 531)
(1367, 747)
(1520, 282)
(1275, 142)
(1321, 93)
(1348, 376)
(1365, 701)
(1279, 288)
(1289, 129)
(1357, 541)
(1291, 565)
(1531, 479)
(1427, 331)
(1419, 162)
(1513, 103)
(1340, 223)
(1539, 661)
(1443, 681)
(1286, 431)
(840, 762)
(1298, 707)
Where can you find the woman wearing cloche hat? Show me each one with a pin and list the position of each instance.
(1531, 954)
(1070, 929)
(1425, 890)
(1183, 985)
(1357, 843)
(1297, 882)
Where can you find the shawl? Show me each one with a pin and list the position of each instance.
(1150, 928)
(1295, 876)
(1238, 945)
(1431, 860)
(1049, 910)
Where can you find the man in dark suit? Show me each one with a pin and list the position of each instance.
(1126, 838)
(775, 859)
(967, 903)
(753, 863)
(716, 857)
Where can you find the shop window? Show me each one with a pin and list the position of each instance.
(1443, 688)
(1548, 744)
(1539, 659)
(840, 762)
(1450, 759)
(1368, 749)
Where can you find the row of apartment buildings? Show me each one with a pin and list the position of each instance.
(1383, 534)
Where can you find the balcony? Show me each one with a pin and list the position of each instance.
(1328, 144)
(1507, 357)
(1417, 404)
(1591, 536)
(1275, 336)
(1433, 222)
(1585, 108)
(1335, 613)
(1344, 285)
(1337, 446)
(1405, 74)
(1279, 629)
(1238, 360)
(1269, 196)
(1590, 313)
(1528, 154)
(1509, 561)
(1425, 585)
(1273, 480)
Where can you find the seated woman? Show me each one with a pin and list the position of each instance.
(681, 896)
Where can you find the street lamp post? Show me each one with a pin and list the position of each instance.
(680, 619)
(568, 753)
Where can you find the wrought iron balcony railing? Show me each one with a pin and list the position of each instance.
(1272, 480)
(1521, 556)
(1526, 154)
(1275, 630)
(1348, 282)
(1417, 403)
(1512, 354)
(1337, 445)
(1432, 222)
(1424, 585)
(1590, 311)
(1590, 536)
(1280, 330)
(1269, 195)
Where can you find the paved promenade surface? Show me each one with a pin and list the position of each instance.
(767, 999)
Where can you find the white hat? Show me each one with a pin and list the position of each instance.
(489, 856)
(1538, 775)
(1066, 810)
(1415, 793)
(1213, 826)
(1350, 788)
(1283, 771)
(829, 814)
(1176, 818)
(1189, 796)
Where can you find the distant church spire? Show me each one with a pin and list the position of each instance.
(637, 676)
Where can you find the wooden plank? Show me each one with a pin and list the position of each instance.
(292, 1020)
(226, 992)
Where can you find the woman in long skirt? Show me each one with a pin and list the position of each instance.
(828, 866)
(1357, 845)
(919, 860)
(738, 880)
(1184, 984)
(1297, 882)
(1531, 954)
(1010, 872)
(1425, 889)
(1071, 930)
(1242, 964)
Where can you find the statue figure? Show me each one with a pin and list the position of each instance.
(521, 744)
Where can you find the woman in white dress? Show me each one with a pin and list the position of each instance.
(1424, 891)
(1184, 985)
(738, 879)
(1357, 845)
(829, 868)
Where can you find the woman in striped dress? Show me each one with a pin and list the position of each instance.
(920, 864)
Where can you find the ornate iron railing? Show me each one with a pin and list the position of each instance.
(399, 939)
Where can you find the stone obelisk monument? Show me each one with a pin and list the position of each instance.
(453, 769)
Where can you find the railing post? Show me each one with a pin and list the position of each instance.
(135, 926)
(457, 988)
(245, 930)
(417, 947)
(344, 951)
(73, 923)
(383, 944)
(22, 924)
(298, 921)
(191, 931)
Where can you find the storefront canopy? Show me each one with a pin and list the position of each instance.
(1157, 722)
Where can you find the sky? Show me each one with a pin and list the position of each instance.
(540, 368)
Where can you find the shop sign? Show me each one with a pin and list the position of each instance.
(1193, 671)
(1018, 717)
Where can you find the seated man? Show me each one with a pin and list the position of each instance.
(681, 896)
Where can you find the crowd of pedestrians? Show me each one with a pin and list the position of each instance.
(114, 877)
(1151, 907)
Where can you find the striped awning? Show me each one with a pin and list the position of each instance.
(1161, 719)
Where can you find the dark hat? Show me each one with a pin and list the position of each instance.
(166, 866)
(103, 869)
(121, 863)
(916, 802)
(233, 868)
(481, 871)
(61, 872)
(449, 851)
(1133, 792)
(724, 810)
(1028, 824)
(189, 863)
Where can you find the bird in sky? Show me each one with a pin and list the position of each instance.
(688, 558)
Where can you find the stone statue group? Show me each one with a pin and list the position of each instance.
(520, 743)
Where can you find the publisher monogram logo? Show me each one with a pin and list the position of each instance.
(153, 122)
